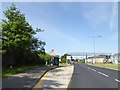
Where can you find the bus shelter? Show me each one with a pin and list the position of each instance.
(54, 58)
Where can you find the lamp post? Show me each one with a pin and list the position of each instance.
(94, 44)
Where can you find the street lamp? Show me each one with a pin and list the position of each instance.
(94, 44)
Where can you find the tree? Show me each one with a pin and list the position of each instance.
(17, 36)
(44, 56)
(64, 58)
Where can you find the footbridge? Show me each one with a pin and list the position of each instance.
(86, 55)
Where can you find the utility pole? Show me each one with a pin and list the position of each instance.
(94, 46)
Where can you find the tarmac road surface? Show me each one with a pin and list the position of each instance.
(87, 76)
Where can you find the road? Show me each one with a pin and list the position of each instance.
(87, 76)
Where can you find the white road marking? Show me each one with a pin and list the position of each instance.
(103, 74)
(117, 80)
(93, 70)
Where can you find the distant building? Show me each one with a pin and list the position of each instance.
(89, 60)
(75, 57)
(115, 58)
(98, 59)
(102, 58)
(69, 59)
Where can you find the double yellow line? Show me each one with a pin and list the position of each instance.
(37, 86)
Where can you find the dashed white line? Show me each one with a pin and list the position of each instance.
(103, 74)
(93, 70)
(117, 80)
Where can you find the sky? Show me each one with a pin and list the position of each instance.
(71, 26)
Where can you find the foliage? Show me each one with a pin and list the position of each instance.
(63, 58)
(18, 39)
(81, 61)
(44, 56)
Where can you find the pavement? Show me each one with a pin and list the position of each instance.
(56, 78)
(26, 79)
(87, 76)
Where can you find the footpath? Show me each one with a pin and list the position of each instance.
(56, 78)
(44, 77)
(26, 79)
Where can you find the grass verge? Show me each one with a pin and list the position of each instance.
(11, 71)
(111, 66)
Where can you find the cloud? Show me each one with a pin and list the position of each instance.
(98, 14)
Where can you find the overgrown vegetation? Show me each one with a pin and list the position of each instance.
(19, 46)
(11, 71)
(81, 61)
(45, 57)
(64, 58)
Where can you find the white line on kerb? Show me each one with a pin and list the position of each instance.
(103, 74)
(93, 70)
(117, 80)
